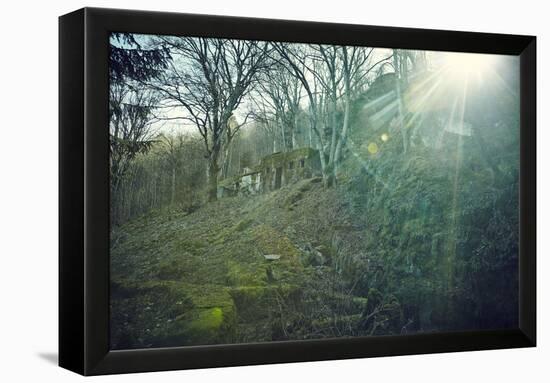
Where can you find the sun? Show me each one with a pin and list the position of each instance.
(466, 65)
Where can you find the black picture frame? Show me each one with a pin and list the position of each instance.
(84, 191)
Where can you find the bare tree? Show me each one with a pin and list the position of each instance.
(357, 65)
(281, 91)
(232, 129)
(295, 58)
(207, 80)
(265, 119)
(131, 117)
(331, 77)
(172, 146)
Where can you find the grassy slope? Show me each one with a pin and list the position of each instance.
(202, 278)
(363, 258)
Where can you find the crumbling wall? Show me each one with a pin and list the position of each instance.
(273, 172)
(284, 168)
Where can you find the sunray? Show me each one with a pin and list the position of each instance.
(379, 100)
(386, 111)
(454, 209)
(512, 94)
(364, 165)
(427, 94)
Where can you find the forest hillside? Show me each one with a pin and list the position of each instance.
(266, 191)
(383, 252)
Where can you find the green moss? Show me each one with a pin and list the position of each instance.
(297, 193)
(201, 278)
(259, 306)
(208, 320)
(193, 246)
(208, 325)
(232, 232)
(244, 224)
(271, 241)
(169, 270)
(246, 274)
(143, 314)
(247, 295)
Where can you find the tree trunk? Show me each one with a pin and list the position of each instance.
(212, 172)
(343, 136)
(310, 136)
(294, 143)
(326, 166)
(283, 136)
(345, 127)
(173, 194)
(274, 146)
(400, 121)
(227, 158)
(324, 169)
(333, 128)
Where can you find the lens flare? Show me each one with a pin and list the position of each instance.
(466, 65)
(372, 148)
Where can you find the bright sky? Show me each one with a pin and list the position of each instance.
(458, 66)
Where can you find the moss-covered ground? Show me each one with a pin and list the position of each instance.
(402, 243)
(199, 278)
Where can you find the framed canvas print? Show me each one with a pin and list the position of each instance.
(243, 191)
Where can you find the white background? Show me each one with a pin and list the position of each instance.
(28, 189)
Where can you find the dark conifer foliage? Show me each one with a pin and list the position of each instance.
(131, 61)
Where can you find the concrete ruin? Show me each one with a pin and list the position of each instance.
(273, 172)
